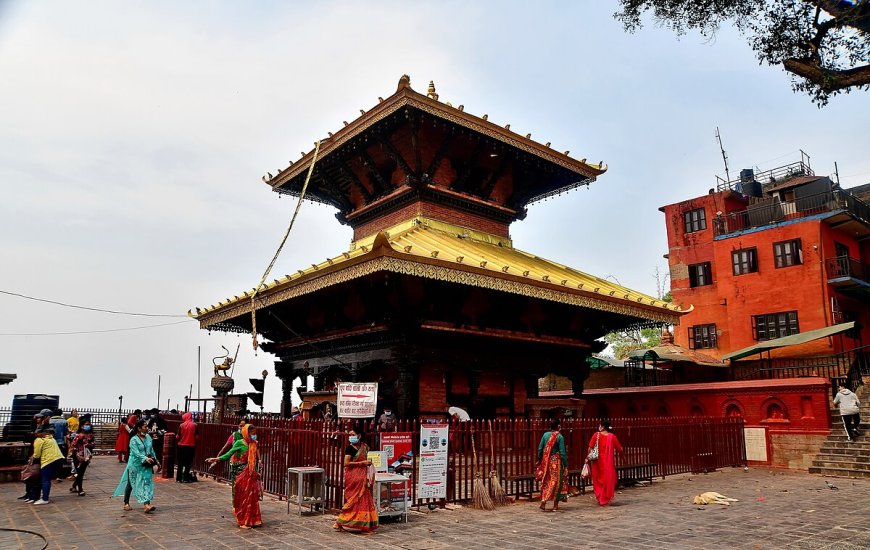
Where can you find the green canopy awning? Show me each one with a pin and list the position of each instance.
(792, 340)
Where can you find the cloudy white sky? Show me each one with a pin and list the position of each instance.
(133, 136)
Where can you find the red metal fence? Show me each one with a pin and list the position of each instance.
(653, 447)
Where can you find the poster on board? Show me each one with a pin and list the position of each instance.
(432, 481)
(357, 399)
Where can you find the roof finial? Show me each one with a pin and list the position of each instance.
(431, 91)
(404, 82)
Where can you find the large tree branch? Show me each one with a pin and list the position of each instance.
(828, 80)
(855, 15)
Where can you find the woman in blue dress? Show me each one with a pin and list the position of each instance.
(136, 479)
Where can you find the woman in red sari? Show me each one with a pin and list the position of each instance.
(603, 470)
(553, 461)
(358, 513)
(125, 430)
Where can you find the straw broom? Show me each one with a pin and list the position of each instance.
(495, 486)
(479, 496)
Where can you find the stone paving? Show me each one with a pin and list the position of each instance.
(777, 509)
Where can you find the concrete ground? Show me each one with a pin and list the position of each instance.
(776, 509)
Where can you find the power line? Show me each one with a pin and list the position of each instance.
(88, 308)
(93, 331)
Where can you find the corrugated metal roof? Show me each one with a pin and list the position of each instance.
(792, 340)
(676, 354)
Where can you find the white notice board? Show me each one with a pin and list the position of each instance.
(755, 440)
(432, 475)
(357, 399)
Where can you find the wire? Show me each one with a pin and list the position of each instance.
(88, 308)
(29, 533)
(94, 331)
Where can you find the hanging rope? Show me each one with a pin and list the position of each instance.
(280, 247)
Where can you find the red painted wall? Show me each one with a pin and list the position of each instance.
(795, 412)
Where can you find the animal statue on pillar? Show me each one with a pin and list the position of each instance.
(222, 368)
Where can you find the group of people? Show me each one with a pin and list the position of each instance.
(57, 440)
(599, 465)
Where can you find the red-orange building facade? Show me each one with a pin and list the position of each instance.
(764, 260)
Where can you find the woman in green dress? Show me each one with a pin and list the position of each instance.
(136, 479)
(236, 454)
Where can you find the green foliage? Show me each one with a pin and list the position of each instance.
(624, 342)
(824, 44)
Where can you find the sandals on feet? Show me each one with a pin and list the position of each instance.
(127, 507)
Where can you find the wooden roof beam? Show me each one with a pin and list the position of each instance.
(462, 180)
(489, 186)
(383, 188)
(443, 148)
(349, 176)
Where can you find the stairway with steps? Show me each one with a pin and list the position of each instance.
(843, 458)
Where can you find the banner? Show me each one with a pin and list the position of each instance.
(395, 444)
(357, 399)
(433, 461)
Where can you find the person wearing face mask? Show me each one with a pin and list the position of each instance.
(359, 512)
(81, 448)
(137, 477)
(246, 489)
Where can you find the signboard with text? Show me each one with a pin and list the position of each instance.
(395, 444)
(432, 474)
(357, 399)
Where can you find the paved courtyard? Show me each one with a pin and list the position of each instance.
(777, 509)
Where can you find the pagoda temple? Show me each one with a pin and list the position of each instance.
(432, 300)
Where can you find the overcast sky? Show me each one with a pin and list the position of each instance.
(133, 136)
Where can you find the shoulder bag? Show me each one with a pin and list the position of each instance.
(593, 453)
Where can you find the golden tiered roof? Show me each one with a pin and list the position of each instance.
(436, 250)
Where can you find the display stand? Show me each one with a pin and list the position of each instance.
(388, 480)
(306, 487)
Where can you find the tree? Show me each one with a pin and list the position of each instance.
(824, 44)
(625, 341)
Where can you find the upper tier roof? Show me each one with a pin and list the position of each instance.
(412, 145)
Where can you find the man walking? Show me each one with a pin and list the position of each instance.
(850, 409)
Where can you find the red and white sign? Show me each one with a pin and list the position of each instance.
(395, 444)
(357, 399)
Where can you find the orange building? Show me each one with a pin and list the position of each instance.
(767, 256)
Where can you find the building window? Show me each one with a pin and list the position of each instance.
(702, 337)
(696, 220)
(787, 253)
(774, 325)
(744, 261)
(700, 275)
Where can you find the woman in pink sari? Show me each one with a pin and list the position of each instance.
(603, 469)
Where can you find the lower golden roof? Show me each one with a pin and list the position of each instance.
(436, 250)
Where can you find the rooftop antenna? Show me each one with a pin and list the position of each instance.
(724, 155)
(837, 173)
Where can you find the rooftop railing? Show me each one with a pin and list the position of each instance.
(767, 177)
(776, 211)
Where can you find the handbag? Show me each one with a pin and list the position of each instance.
(85, 455)
(30, 470)
(585, 472)
(593, 454)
